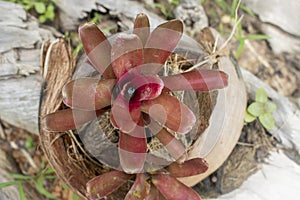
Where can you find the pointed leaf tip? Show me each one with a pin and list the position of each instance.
(97, 48)
(160, 44)
(88, 93)
(142, 27)
(105, 184)
(68, 119)
(188, 168)
(173, 189)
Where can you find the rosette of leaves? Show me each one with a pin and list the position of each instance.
(137, 99)
(262, 109)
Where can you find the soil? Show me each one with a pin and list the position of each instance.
(279, 71)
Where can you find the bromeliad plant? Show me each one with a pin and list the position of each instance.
(138, 100)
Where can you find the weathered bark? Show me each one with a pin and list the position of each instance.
(20, 81)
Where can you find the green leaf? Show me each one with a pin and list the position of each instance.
(40, 188)
(75, 197)
(7, 184)
(267, 120)
(21, 176)
(247, 10)
(256, 109)
(261, 95)
(42, 19)
(50, 170)
(249, 118)
(270, 107)
(233, 8)
(50, 13)
(21, 192)
(256, 37)
(39, 7)
(29, 143)
(240, 49)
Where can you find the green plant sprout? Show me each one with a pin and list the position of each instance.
(262, 109)
(163, 9)
(230, 12)
(44, 8)
(242, 39)
(37, 180)
(29, 143)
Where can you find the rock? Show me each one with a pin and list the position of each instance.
(127, 10)
(72, 11)
(281, 41)
(279, 22)
(192, 14)
(278, 179)
(280, 13)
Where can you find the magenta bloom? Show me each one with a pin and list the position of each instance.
(133, 91)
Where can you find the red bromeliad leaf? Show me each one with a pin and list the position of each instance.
(171, 112)
(200, 80)
(174, 146)
(125, 115)
(142, 27)
(127, 53)
(160, 44)
(133, 149)
(172, 189)
(68, 119)
(140, 188)
(154, 194)
(147, 87)
(188, 168)
(97, 48)
(88, 93)
(103, 185)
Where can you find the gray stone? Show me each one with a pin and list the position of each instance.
(281, 41)
(192, 14)
(280, 22)
(71, 11)
(284, 14)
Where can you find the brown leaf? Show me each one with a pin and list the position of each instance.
(171, 112)
(103, 185)
(68, 119)
(133, 149)
(97, 48)
(127, 53)
(199, 80)
(140, 189)
(160, 44)
(172, 189)
(88, 93)
(142, 27)
(188, 168)
(174, 146)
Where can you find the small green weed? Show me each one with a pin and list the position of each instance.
(163, 9)
(230, 16)
(262, 109)
(44, 8)
(37, 180)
